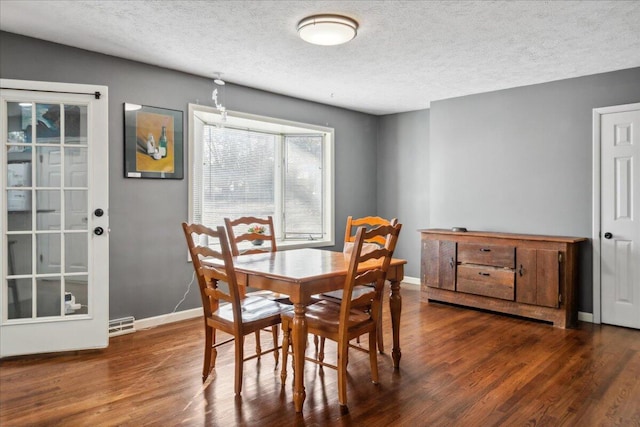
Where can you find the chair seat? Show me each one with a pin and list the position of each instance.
(273, 296)
(336, 296)
(326, 315)
(254, 308)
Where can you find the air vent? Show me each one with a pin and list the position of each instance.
(121, 326)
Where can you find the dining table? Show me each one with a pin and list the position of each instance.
(300, 274)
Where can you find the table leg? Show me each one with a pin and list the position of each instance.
(299, 346)
(395, 307)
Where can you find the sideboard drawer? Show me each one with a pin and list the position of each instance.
(486, 281)
(495, 255)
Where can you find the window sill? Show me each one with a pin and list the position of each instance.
(298, 244)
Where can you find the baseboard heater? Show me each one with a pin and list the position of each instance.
(124, 325)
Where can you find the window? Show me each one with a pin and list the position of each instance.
(260, 166)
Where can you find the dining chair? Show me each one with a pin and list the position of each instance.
(256, 231)
(368, 222)
(260, 233)
(347, 320)
(228, 311)
(370, 244)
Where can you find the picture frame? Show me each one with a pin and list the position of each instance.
(153, 142)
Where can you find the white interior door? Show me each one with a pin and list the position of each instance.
(55, 267)
(620, 226)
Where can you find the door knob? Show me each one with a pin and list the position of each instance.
(98, 212)
(98, 231)
(608, 235)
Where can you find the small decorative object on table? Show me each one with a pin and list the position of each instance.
(257, 229)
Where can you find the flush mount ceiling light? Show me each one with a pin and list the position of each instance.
(327, 30)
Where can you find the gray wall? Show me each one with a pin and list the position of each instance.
(403, 179)
(148, 269)
(517, 160)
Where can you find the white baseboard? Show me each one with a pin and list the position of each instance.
(585, 317)
(414, 281)
(152, 322)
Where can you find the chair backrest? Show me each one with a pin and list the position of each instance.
(201, 240)
(368, 222)
(243, 230)
(368, 268)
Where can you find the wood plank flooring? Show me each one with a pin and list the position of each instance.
(459, 367)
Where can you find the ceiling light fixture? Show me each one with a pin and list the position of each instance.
(327, 30)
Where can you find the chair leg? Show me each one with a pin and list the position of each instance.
(258, 346)
(285, 351)
(239, 343)
(343, 349)
(214, 351)
(209, 340)
(379, 331)
(274, 332)
(373, 357)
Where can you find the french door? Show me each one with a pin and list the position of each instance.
(55, 246)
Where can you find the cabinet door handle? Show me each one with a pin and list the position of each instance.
(521, 270)
(451, 262)
(484, 274)
(485, 250)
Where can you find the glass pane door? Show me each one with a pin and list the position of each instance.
(54, 273)
(47, 206)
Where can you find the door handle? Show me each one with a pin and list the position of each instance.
(98, 231)
(608, 235)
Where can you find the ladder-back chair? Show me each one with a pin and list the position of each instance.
(226, 310)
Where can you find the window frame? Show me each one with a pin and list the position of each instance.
(201, 115)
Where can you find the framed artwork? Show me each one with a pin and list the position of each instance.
(153, 142)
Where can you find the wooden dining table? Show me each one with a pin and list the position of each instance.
(301, 273)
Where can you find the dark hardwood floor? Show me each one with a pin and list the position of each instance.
(459, 367)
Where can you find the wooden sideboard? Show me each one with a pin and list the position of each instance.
(520, 274)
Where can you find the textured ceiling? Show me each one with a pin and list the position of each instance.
(406, 54)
